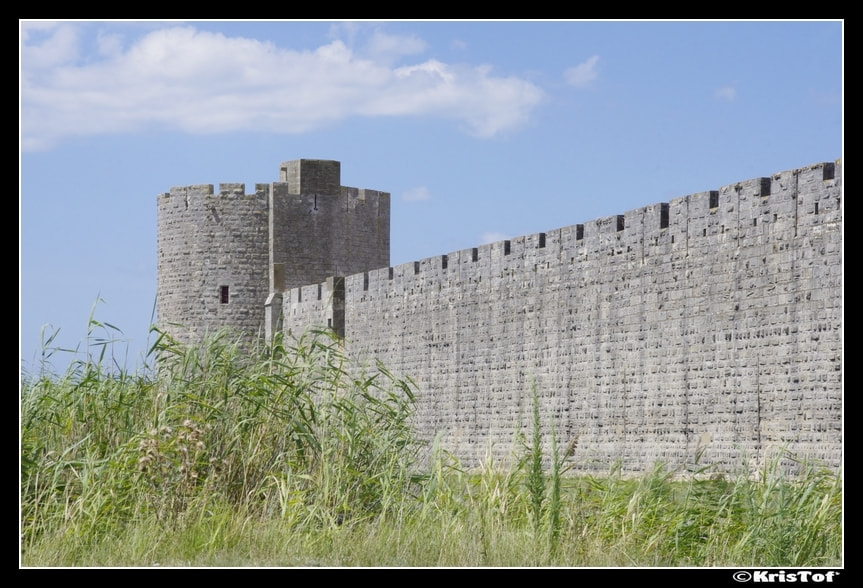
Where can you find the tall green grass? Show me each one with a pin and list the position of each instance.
(286, 430)
(290, 454)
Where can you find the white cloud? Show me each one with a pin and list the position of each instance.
(418, 194)
(110, 44)
(377, 44)
(582, 74)
(384, 46)
(487, 105)
(492, 237)
(727, 93)
(59, 44)
(202, 82)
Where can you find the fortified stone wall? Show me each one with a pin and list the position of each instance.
(224, 259)
(212, 259)
(320, 229)
(708, 326)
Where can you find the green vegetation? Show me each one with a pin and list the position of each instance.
(291, 455)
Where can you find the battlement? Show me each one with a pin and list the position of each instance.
(223, 254)
(198, 194)
(759, 208)
(711, 323)
(707, 325)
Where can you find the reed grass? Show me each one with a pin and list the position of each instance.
(288, 454)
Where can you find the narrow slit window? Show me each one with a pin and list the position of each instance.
(224, 295)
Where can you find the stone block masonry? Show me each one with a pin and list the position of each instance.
(212, 259)
(224, 259)
(707, 328)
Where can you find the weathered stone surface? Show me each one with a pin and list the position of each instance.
(708, 326)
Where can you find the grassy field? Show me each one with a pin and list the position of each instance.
(288, 455)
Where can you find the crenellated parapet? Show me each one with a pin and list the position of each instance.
(708, 325)
(225, 258)
(212, 259)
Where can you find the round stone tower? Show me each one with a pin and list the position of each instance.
(212, 260)
(225, 258)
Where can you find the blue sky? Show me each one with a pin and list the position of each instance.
(481, 131)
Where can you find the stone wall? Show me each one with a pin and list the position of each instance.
(221, 256)
(708, 326)
(212, 260)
